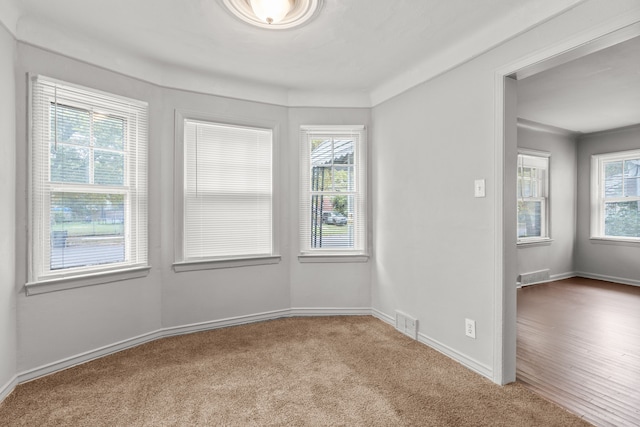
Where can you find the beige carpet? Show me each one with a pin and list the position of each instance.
(326, 371)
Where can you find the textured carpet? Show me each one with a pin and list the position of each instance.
(326, 371)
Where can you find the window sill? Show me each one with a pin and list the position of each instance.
(535, 242)
(212, 264)
(335, 258)
(615, 241)
(91, 279)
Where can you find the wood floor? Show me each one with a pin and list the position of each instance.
(579, 346)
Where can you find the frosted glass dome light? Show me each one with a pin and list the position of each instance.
(271, 11)
(274, 14)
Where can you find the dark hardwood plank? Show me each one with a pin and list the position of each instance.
(579, 346)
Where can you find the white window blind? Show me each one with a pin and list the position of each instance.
(615, 190)
(533, 188)
(88, 196)
(333, 190)
(227, 191)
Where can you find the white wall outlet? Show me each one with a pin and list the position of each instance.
(478, 186)
(470, 328)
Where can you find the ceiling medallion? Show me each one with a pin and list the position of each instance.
(274, 14)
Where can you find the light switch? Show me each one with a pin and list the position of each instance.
(479, 187)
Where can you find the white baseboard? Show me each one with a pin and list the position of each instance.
(87, 356)
(78, 359)
(223, 323)
(69, 362)
(383, 316)
(463, 359)
(6, 389)
(621, 280)
(562, 276)
(469, 362)
(330, 311)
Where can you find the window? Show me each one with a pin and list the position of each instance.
(88, 197)
(227, 212)
(533, 189)
(333, 191)
(615, 195)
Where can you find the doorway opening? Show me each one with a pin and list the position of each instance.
(506, 158)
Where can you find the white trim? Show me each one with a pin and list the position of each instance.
(464, 360)
(615, 241)
(8, 388)
(534, 241)
(330, 129)
(87, 356)
(106, 350)
(598, 199)
(604, 277)
(541, 127)
(224, 323)
(213, 264)
(329, 311)
(333, 257)
(532, 152)
(180, 117)
(469, 362)
(383, 316)
(97, 278)
(562, 276)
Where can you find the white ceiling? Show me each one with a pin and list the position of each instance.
(364, 51)
(597, 92)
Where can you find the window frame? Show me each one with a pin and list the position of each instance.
(598, 199)
(341, 255)
(545, 200)
(180, 264)
(41, 279)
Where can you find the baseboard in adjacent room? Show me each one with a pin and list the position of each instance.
(562, 276)
(603, 277)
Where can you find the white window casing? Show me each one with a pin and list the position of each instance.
(615, 196)
(225, 201)
(88, 186)
(533, 196)
(333, 190)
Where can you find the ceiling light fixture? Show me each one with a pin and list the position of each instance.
(274, 14)
(270, 11)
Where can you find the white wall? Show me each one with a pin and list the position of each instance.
(57, 325)
(8, 340)
(201, 296)
(435, 252)
(615, 261)
(558, 255)
(323, 285)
